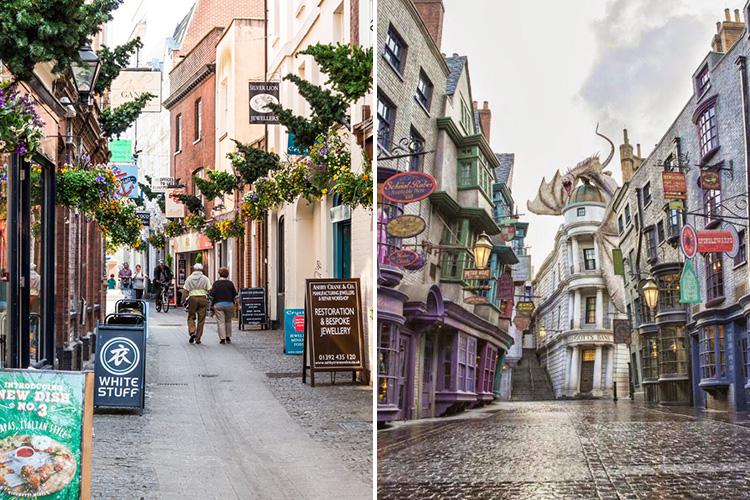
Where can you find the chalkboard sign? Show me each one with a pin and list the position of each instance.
(333, 327)
(253, 306)
(120, 368)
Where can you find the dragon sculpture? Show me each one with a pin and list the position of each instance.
(554, 195)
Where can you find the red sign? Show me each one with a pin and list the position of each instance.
(505, 287)
(299, 323)
(673, 183)
(408, 187)
(689, 241)
(719, 240)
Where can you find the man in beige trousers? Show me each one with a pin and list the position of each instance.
(197, 286)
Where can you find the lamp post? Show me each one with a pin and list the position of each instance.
(482, 249)
(85, 73)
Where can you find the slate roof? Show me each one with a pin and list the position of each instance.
(181, 28)
(504, 173)
(456, 65)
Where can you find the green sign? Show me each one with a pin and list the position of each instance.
(122, 151)
(617, 262)
(41, 420)
(690, 288)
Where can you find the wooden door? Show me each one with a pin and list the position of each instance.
(587, 371)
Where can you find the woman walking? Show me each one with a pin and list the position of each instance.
(126, 280)
(197, 286)
(223, 296)
(139, 282)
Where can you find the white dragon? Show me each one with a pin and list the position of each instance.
(553, 196)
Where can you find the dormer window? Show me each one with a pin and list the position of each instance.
(702, 81)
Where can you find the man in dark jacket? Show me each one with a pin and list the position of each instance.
(162, 276)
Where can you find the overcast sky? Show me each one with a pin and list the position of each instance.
(552, 69)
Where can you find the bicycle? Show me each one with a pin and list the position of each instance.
(162, 298)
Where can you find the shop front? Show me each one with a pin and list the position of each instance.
(188, 250)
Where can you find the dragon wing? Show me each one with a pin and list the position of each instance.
(549, 199)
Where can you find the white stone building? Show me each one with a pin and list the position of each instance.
(573, 318)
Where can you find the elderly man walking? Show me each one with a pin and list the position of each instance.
(197, 286)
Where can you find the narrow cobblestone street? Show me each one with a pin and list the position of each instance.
(233, 421)
(567, 449)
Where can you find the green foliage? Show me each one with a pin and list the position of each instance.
(217, 184)
(349, 68)
(328, 109)
(195, 222)
(213, 232)
(252, 163)
(191, 202)
(34, 31)
(199, 258)
(20, 124)
(157, 240)
(113, 61)
(85, 188)
(119, 222)
(168, 261)
(116, 121)
(174, 228)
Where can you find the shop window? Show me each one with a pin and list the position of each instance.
(416, 161)
(647, 194)
(650, 358)
(741, 256)
(424, 90)
(446, 354)
(590, 310)
(673, 352)
(386, 120)
(589, 259)
(660, 231)
(711, 352)
(388, 362)
(490, 362)
(708, 131)
(647, 314)
(669, 292)
(714, 276)
(467, 363)
(395, 50)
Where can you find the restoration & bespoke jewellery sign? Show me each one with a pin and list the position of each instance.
(333, 327)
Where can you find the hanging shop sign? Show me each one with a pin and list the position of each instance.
(475, 299)
(505, 287)
(127, 174)
(477, 274)
(122, 150)
(690, 288)
(144, 217)
(261, 95)
(408, 187)
(417, 264)
(252, 307)
(525, 307)
(294, 331)
(333, 327)
(621, 331)
(711, 179)
(674, 185)
(506, 308)
(46, 422)
(508, 232)
(522, 322)
(735, 241)
(406, 226)
(688, 241)
(121, 366)
(521, 272)
(403, 257)
(718, 240)
(131, 83)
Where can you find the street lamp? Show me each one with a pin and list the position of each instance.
(482, 249)
(85, 72)
(651, 294)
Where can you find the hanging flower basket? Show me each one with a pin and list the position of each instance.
(119, 222)
(20, 125)
(213, 232)
(175, 228)
(195, 222)
(157, 240)
(85, 188)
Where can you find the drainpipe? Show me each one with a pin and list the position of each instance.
(741, 63)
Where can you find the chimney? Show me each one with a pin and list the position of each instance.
(627, 161)
(727, 32)
(431, 12)
(485, 117)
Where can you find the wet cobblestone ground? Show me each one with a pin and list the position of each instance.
(567, 449)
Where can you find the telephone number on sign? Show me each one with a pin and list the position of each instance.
(337, 357)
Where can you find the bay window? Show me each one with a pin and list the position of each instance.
(673, 352)
(714, 276)
(669, 292)
(711, 352)
(650, 358)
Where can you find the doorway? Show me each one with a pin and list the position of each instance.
(587, 371)
(404, 379)
(428, 377)
(281, 272)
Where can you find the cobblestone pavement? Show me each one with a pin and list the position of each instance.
(566, 449)
(216, 426)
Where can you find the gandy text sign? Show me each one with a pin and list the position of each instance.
(334, 324)
(120, 366)
(41, 432)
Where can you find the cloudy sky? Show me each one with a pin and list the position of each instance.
(551, 70)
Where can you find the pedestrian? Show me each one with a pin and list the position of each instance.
(111, 282)
(139, 281)
(223, 297)
(126, 279)
(35, 288)
(197, 286)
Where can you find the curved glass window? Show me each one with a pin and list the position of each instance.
(669, 292)
(712, 353)
(673, 354)
(650, 357)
